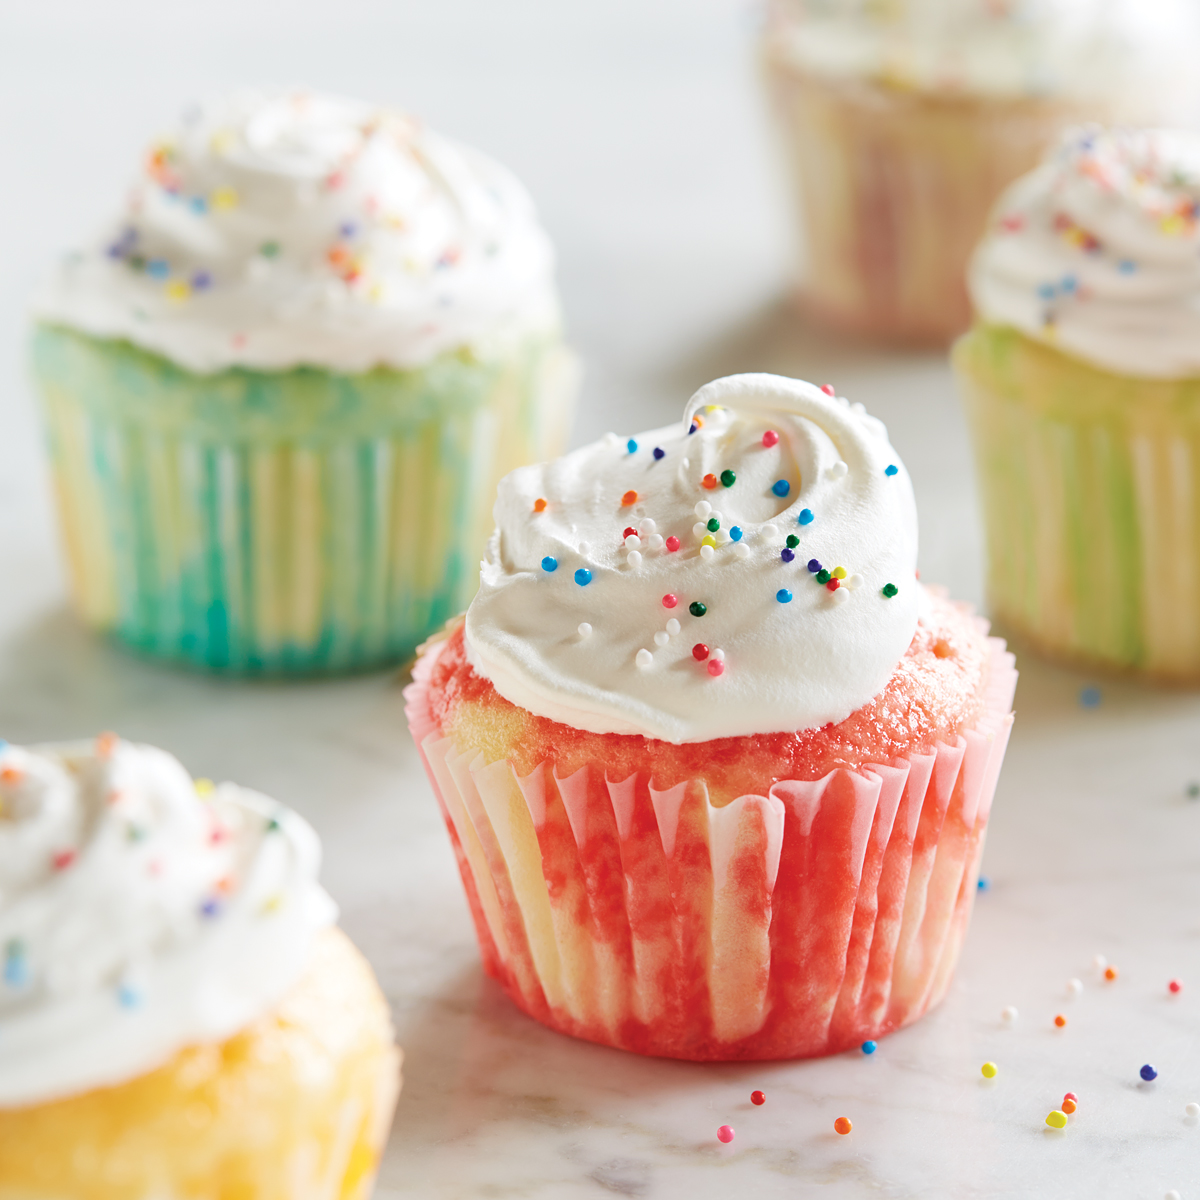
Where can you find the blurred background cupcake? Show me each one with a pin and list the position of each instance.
(716, 767)
(281, 387)
(904, 119)
(1082, 382)
(180, 1016)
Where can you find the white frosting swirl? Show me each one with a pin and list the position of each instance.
(136, 916)
(606, 655)
(1097, 252)
(280, 230)
(1002, 48)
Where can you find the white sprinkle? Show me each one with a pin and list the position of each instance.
(1192, 1110)
(611, 439)
(768, 532)
(686, 463)
(633, 542)
(585, 630)
(661, 638)
(720, 518)
(644, 659)
(838, 469)
(839, 597)
(742, 550)
(583, 547)
(719, 655)
(700, 529)
(634, 559)
(656, 541)
(673, 626)
(649, 527)
(1172, 1195)
(853, 582)
(858, 407)
(706, 552)
(702, 509)
(722, 536)
(1074, 987)
(1099, 962)
(1009, 1015)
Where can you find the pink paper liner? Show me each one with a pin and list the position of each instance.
(789, 925)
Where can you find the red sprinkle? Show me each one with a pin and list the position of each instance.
(725, 1133)
(1175, 987)
(770, 438)
(628, 530)
(710, 481)
(716, 667)
(834, 584)
(758, 1098)
(672, 544)
(629, 498)
(1072, 1097)
(699, 651)
(670, 600)
(63, 859)
(1060, 1020)
(829, 389)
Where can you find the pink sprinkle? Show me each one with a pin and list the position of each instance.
(829, 389)
(63, 859)
(1175, 987)
(725, 1133)
(716, 667)
(672, 544)
(770, 438)
(670, 600)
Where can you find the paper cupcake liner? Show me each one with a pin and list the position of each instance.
(788, 925)
(893, 190)
(1091, 496)
(300, 521)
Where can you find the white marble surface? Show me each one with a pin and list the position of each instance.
(640, 130)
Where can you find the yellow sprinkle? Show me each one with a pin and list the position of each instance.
(989, 1070)
(1173, 225)
(178, 290)
(376, 292)
(205, 787)
(221, 141)
(1057, 1119)
(839, 572)
(274, 904)
(708, 540)
(223, 198)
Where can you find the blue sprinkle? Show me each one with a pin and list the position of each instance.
(693, 428)
(1148, 1073)
(783, 596)
(1069, 283)
(201, 280)
(659, 452)
(806, 516)
(16, 967)
(1046, 291)
(781, 487)
(583, 577)
(1090, 697)
(1126, 266)
(891, 469)
(869, 1047)
(348, 229)
(210, 908)
(631, 446)
(199, 204)
(735, 535)
(549, 563)
(983, 883)
(786, 554)
(158, 268)
(813, 565)
(3, 745)
(129, 997)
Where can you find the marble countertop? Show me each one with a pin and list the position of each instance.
(653, 170)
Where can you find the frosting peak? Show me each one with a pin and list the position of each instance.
(277, 230)
(750, 570)
(1097, 251)
(138, 916)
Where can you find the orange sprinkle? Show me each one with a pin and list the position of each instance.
(1110, 974)
(709, 481)
(1060, 1020)
(941, 648)
(106, 743)
(842, 1125)
(539, 505)
(10, 775)
(630, 497)
(698, 421)
(1069, 1106)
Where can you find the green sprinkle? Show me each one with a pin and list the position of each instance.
(713, 525)
(269, 249)
(728, 478)
(272, 825)
(890, 589)
(823, 576)
(697, 609)
(793, 541)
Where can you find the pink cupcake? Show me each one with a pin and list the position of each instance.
(716, 767)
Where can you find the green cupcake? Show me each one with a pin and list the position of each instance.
(280, 392)
(1082, 383)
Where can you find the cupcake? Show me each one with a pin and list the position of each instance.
(903, 122)
(715, 766)
(281, 387)
(1081, 378)
(178, 1014)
